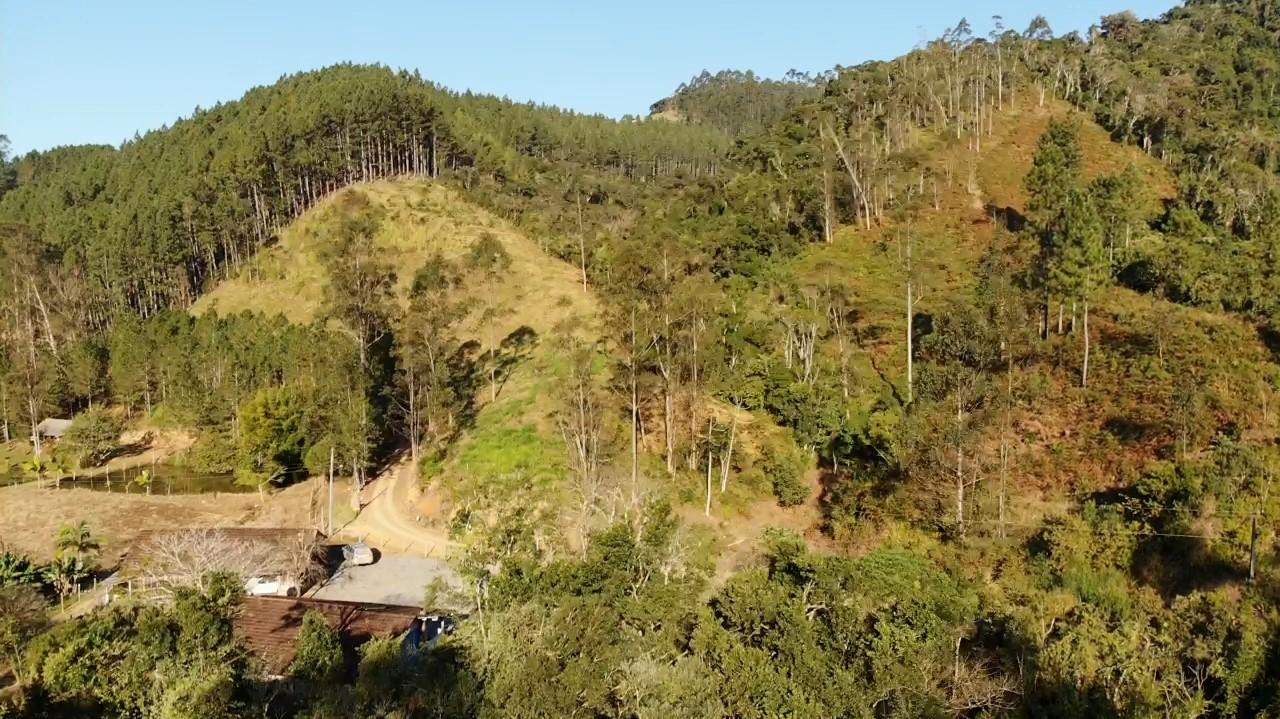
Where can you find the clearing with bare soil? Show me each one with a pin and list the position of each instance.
(30, 516)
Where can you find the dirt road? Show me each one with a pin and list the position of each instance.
(389, 521)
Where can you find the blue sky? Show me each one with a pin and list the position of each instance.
(78, 72)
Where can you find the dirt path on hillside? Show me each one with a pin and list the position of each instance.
(390, 520)
(742, 532)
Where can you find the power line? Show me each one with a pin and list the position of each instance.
(1102, 530)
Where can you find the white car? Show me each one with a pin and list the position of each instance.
(271, 587)
(358, 554)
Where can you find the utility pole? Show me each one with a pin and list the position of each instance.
(331, 460)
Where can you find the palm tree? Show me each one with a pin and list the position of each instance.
(144, 480)
(42, 469)
(75, 540)
(64, 574)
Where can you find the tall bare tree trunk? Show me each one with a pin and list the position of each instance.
(415, 440)
(355, 483)
(4, 412)
(34, 412)
(710, 425)
(635, 414)
(1084, 372)
(910, 327)
(1004, 443)
(44, 315)
(332, 458)
(959, 465)
(668, 422)
(728, 453)
(853, 178)
(582, 242)
(827, 209)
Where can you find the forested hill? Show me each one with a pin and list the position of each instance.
(936, 386)
(739, 103)
(149, 226)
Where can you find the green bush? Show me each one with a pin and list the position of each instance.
(784, 464)
(488, 254)
(319, 657)
(316, 460)
(18, 569)
(213, 452)
(429, 467)
(92, 437)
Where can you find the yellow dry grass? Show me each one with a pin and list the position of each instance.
(948, 243)
(420, 219)
(512, 445)
(30, 516)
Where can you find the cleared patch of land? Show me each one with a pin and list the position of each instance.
(509, 453)
(30, 516)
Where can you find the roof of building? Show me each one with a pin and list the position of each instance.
(52, 427)
(269, 626)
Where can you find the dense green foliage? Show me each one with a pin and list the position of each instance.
(92, 437)
(319, 657)
(738, 103)
(1038, 416)
(133, 661)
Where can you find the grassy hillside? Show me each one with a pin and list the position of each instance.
(1068, 442)
(420, 219)
(513, 446)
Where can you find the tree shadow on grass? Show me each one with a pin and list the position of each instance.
(1172, 565)
(1008, 217)
(470, 368)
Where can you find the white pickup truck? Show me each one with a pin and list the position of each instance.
(358, 554)
(271, 587)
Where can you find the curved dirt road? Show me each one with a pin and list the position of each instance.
(388, 520)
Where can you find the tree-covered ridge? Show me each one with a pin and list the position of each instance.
(735, 102)
(1197, 89)
(150, 226)
(923, 317)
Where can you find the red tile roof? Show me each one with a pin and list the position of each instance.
(269, 626)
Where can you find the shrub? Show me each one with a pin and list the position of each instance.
(92, 437)
(319, 656)
(429, 467)
(488, 254)
(784, 464)
(18, 569)
(213, 452)
(316, 460)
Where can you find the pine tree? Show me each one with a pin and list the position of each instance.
(1079, 267)
(1054, 175)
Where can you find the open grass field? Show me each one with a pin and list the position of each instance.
(30, 516)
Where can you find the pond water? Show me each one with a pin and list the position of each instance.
(165, 479)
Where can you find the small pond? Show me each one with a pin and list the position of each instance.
(165, 479)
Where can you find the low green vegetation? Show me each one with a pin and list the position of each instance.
(74, 560)
(92, 438)
(990, 329)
